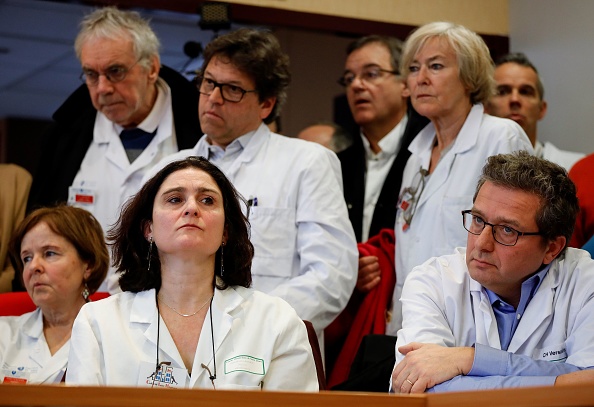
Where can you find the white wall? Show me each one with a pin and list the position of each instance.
(558, 36)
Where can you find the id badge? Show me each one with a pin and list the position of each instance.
(81, 197)
(15, 375)
(164, 376)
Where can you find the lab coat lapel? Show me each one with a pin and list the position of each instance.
(484, 318)
(33, 328)
(53, 370)
(466, 139)
(39, 351)
(223, 305)
(105, 133)
(538, 311)
(144, 301)
(250, 151)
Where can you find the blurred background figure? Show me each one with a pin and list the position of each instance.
(14, 191)
(61, 256)
(581, 174)
(328, 134)
(519, 96)
(184, 254)
(372, 166)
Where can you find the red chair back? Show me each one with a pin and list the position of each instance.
(19, 303)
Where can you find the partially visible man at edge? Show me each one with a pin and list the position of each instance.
(519, 96)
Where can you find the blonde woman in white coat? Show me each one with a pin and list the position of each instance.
(449, 75)
(62, 257)
(186, 317)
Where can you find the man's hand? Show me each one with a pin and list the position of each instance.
(581, 377)
(368, 276)
(426, 365)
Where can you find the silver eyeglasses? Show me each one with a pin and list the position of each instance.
(370, 74)
(502, 234)
(230, 93)
(114, 74)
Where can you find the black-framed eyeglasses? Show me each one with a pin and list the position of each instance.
(504, 235)
(114, 74)
(370, 74)
(409, 198)
(230, 93)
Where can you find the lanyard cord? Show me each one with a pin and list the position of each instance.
(214, 360)
(158, 329)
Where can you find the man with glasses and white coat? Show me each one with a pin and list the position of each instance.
(304, 246)
(129, 114)
(516, 306)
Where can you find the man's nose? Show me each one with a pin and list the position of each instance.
(104, 85)
(485, 240)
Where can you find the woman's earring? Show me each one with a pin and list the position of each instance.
(150, 253)
(86, 293)
(222, 256)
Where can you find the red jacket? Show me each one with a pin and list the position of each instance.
(363, 315)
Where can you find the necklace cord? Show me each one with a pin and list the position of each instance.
(185, 315)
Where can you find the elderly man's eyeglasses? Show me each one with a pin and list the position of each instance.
(368, 75)
(502, 234)
(114, 74)
(230, 93)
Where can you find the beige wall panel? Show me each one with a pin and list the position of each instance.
(483, 16)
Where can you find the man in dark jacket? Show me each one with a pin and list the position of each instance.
(130, 113)
(372, 166)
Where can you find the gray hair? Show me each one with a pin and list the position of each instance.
(548, 181)
(474, 60)
(112, 23)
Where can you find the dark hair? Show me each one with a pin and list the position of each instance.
(76, 225)
(521, 59)
(547, 180)
(258, 54)
(393, 45)
(131, 249)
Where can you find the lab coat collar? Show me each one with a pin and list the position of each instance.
(250, 149)
(39, 352)
(539, 310)
(225, 308)
(422, 146)
(144, 312)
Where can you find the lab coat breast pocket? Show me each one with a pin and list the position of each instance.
(274, 236)
(451, 215)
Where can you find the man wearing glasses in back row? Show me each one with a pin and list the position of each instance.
(129, 113)
(516, 306)
(304, 246)
(372, 166)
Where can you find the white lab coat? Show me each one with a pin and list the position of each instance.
(23, 349)
(550, 152)
(442, 304)
(305, 249)
(107, 173)
(111, 338)
(436, 227)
